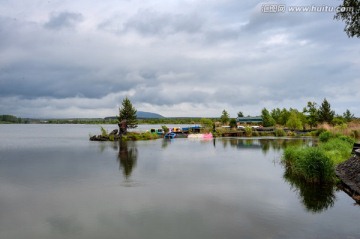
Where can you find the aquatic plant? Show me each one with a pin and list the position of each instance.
(310, 163)
(338, 149)
(316, 164)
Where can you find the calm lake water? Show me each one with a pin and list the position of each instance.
(55, 183)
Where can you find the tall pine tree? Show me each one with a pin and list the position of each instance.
(267, 118)
(325, 112)
(224, 118)
(127, 113)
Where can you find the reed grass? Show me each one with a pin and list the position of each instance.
(317, 164)
(309, 163)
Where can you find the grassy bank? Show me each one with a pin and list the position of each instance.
(140, 136)
(317, 164)
(113, 136)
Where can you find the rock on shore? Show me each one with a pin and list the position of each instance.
(349, 173)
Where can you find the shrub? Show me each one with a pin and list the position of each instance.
(291, 133)
(356, 134)
(220, 130)
(104, 133)
(165, 128)
(347, 139)
(325, 136)
(248, 131)
(319, 131)
(280, 132)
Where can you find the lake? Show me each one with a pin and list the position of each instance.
(55, 183)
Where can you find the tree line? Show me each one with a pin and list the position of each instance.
(10, 119)
(311, 115)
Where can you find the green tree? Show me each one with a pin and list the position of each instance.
(127, 112)
(207, 124)
(284, 116)
(240, 114)
(350, 14)
(325, 112)
(348, 116)
(294, 121)
(267, 119)
(232, 123)
(224, 117)
(9, 119)
(276, 114)
(338, 120)
(312, 114)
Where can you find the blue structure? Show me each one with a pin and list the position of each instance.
(247, 120)
(170, 135)
(193, 129)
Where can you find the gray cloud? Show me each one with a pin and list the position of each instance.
(62, 20)
(213, 55)
(149, 22)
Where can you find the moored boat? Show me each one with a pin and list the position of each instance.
(200, 136)
(170, 135)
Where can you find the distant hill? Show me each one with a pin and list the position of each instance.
(141, 115)
(148, 115)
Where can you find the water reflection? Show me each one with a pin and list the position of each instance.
(315, 197)
(265, 144)
(127, 157)
(165, 143)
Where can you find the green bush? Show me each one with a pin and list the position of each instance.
(325, 136)
(248, 131)
(280, 132)
(347, 139)
(291, 133)
(319, 131)
(104, 133)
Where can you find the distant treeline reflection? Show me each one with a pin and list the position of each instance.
(265, 144)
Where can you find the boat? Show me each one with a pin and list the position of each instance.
(207, 136)
(157, 131)
(181, 135)
(200, 136)
(170, 135)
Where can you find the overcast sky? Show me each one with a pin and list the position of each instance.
(176, 58)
